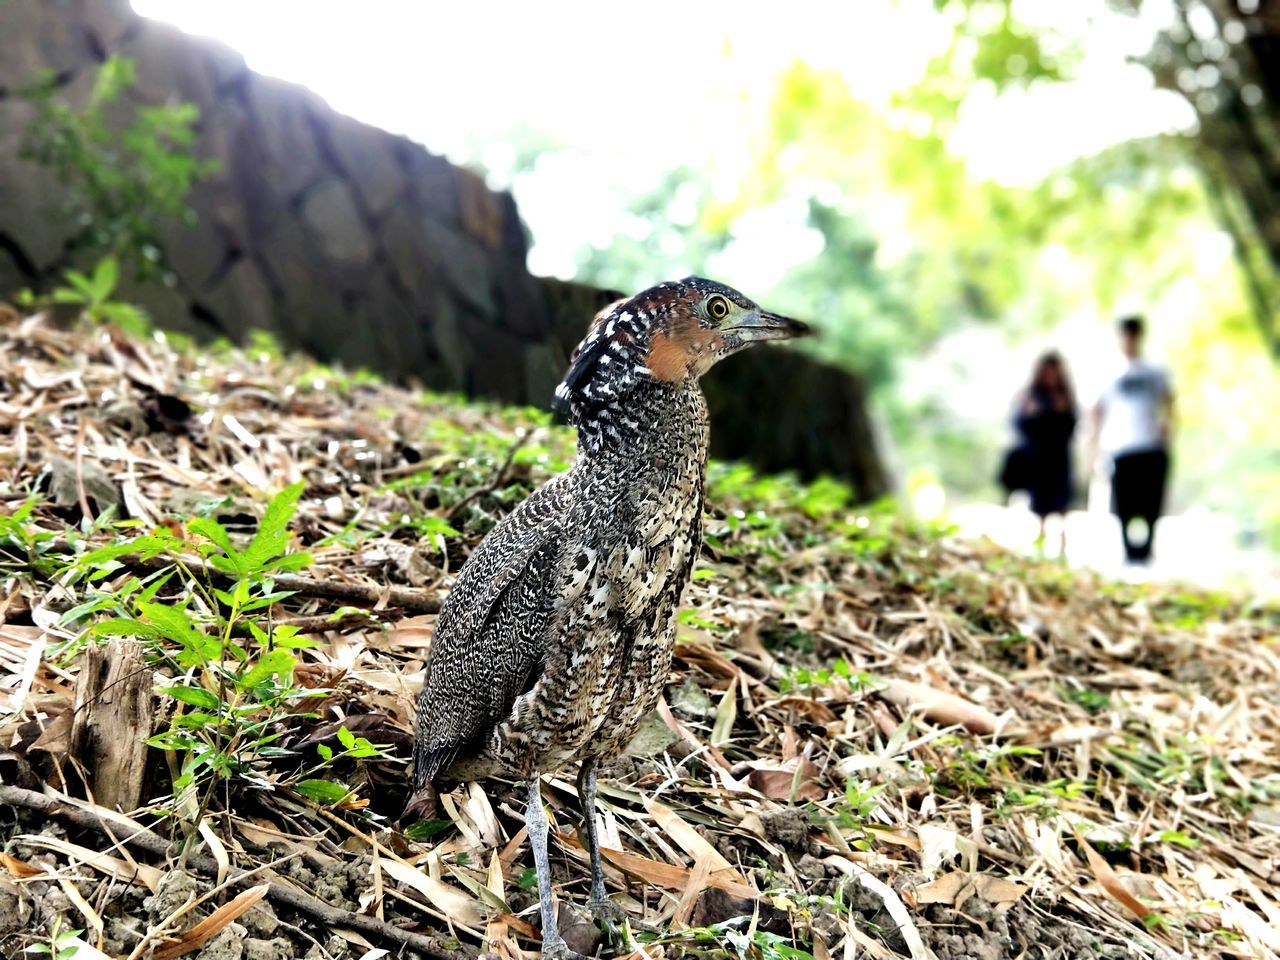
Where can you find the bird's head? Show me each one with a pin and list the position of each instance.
(672, 333)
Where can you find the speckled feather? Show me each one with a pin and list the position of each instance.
(556, 638)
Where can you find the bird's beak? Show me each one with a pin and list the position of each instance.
(767, 326)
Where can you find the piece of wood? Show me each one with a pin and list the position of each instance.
(114, 712)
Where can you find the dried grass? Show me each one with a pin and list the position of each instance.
(1065, 767)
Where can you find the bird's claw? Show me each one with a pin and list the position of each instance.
(559, 950)
(612, 920)
(605, 910)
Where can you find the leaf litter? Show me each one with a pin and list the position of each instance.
(877, 740)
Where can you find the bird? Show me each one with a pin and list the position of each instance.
(556, 637)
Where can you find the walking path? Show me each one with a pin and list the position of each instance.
(1197, 547)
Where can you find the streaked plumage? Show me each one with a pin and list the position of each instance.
(556, 638)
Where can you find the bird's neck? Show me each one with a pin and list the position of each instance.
(657, 424)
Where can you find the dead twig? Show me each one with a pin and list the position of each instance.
(498, 479)
(206, 866)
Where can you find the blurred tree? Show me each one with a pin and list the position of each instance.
(929, 280)
(1221, 56)
(125, 166)
(1224, 58)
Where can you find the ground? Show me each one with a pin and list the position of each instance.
(879, 738)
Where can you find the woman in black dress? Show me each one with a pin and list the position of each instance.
(1045, 420)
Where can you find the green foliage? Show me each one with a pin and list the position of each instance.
(877, 228)
(123, 176)
(738, 937)
(802, 679)
(232, 668)
(61, 945)
(93, 292)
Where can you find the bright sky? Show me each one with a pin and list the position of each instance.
(636, 91)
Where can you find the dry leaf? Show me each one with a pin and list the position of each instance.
(121, 870)
(948, 888)
(1103, 873)
(196, 937)
(687, 838)
(20, 869)
(939, 706)
(671, 877)
(450, 901)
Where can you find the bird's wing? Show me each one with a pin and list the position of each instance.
(489, 639)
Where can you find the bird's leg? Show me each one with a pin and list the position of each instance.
(602, 908)
(535, 819)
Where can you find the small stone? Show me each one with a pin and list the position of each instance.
(227, 944)
(256, 948)
(788, 826)
(692, 702)
(652, 738)
(262, 921)
(174, 890)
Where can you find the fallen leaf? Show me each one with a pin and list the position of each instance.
(1111, 883)
(939, 706)
(948, 888)
(687, 838)
(196, 937)
(450, 901)
(20, 869)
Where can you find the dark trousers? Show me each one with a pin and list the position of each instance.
(1137, 493)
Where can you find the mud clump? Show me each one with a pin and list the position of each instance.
(174, 890)
(788, 827)
(227, 944)
(277, 949)
(261, 921)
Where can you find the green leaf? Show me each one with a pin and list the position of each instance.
(346, 738)
(426, 829)
(67, 295)
(325, 751)
(269, 664)
(80, 282)
(195, 696)
(273, 532)
(173, 740)
(290, 562)
(216, 533)
(124, 627)
(175, 624)
(105, 277)
(322, 791)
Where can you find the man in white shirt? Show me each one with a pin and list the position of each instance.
(1132, 423)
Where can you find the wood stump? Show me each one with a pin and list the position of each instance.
(114, 713)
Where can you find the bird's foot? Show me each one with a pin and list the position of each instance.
(612, 920)
(606, 911)
(557, 949)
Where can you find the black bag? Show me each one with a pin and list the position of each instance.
(1015, 471)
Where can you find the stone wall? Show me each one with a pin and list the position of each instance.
(348, 242)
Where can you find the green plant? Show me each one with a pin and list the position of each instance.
(738, 937)
(93, 293)
(232, 666)
(123, 176)
(797, 679)
(861, 801)
(61, 944)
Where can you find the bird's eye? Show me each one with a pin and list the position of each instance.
(718, 308)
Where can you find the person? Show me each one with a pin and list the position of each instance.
(1132, 423)
(1045, 419)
